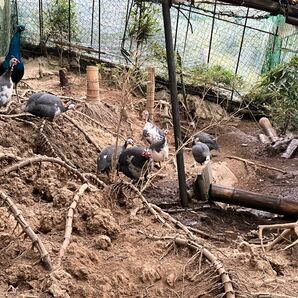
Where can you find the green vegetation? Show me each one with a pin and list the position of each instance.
(277, 92)
(57, 19)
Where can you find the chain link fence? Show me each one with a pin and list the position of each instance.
(243, 41)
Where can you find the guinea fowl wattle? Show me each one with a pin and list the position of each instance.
(6, 84)
(14, 52)
(46, 105)
(207, 139)
(200, 151)
(105, 158)
(134, 162)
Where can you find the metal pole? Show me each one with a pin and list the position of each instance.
(99, 28)
(92, 23)
(174, 101)
(211, 34)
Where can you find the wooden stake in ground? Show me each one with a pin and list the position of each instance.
(45, 258)
(150, 92)
(92, 83)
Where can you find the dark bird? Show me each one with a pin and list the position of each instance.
(14, 52)
(6, 85)
(207, 139)
(104, 160)
(200, 152)
(134, 161)
(46, 105)
(151, 133)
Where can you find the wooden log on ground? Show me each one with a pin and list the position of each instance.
(268, 129)
(292, 148)
(231, 195)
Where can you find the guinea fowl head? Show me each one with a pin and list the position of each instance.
(129, 141)
(147, 153)
(71, 106)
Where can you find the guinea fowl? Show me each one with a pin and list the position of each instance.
(6, 85)
(207, 139)
(160, 150)
(14, 52)
(151, 133)
(104, 160)
(134, 161)
(46, 105)
(200, 151)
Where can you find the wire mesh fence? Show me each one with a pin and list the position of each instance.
(243, 41)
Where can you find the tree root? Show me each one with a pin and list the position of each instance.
(228, 285)
(89, 139)
(45, 258)
(69, 219)
(256, 164)
(289, 229)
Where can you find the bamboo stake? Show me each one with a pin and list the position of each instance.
(69, 219)
(45, 258)
(150, 92)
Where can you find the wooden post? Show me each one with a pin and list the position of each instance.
(150, 91)
(203, 182)
(92, 83)
(268, 129)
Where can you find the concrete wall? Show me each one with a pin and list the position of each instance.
(4, 26)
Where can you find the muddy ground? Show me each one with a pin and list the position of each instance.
(110, 253)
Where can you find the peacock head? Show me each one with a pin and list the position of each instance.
(13, 61)
(20, 28)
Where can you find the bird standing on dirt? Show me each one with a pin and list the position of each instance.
(6, 85)
(160, 150)
(134, 162)
(104, 160)
(151, 133)
(207, 139)
(200, 151)
(14, 52)
(46, 105)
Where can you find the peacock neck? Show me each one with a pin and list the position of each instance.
(14, 49)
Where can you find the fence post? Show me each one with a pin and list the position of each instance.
(150, 91)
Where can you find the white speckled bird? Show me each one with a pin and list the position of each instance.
(6, 84)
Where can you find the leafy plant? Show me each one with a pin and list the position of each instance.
(58, 18)
(277, 92)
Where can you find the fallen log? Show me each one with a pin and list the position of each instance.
(292, 148)
(205, 190)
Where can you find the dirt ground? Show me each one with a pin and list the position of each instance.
(112, 250)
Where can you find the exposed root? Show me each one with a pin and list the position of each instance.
(256, 164)
(95, 180)
(227, 283)
(289, 229)
(30, 161)
(45, 258)
(68, 225)
(89, 139)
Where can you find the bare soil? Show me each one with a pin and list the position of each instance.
(109, 254)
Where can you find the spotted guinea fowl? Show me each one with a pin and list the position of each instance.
(207, 139)
(6, 85)
(134, 161)
(151, 132)
(160, 150)
(46, 105)
(104, 160)
(14, 52)
(200, 151)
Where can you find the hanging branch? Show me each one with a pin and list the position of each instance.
(69, 219)
(83, 131)
(45, 258)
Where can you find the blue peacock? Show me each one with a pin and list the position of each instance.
(14, 52)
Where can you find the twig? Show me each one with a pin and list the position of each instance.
(45, 258)
(228, 285)
(83, 131)
(256, 164)
(30, 161)
(68, 225)
(145, 202)
(95, 179)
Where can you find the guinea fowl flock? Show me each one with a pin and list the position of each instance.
(133, 161)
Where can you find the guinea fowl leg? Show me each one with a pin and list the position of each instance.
(17, 94)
